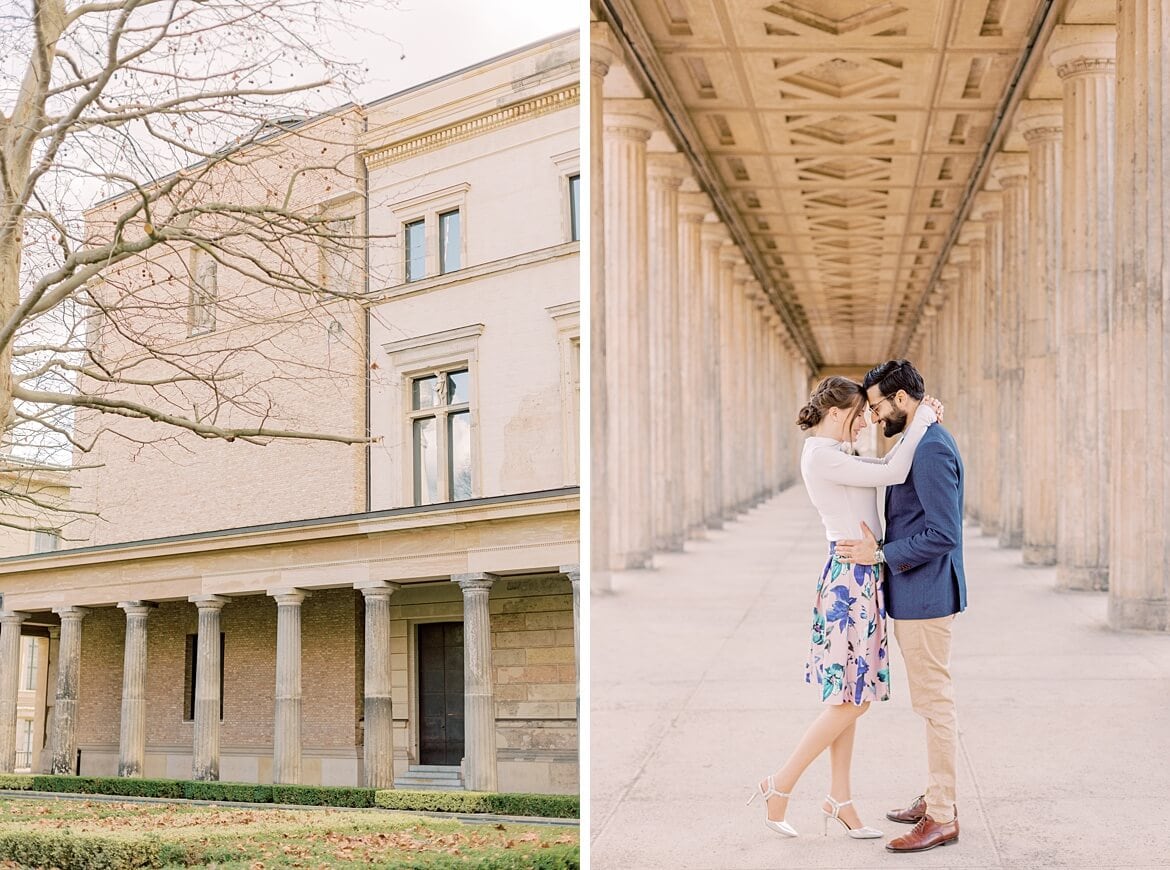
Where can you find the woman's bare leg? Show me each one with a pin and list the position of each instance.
(840, 767)
(819, 736)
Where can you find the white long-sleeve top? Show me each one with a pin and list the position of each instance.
(844, 487)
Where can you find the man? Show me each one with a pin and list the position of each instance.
(924, 588)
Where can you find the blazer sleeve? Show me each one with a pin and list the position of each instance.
(837, 467)
(936, 483)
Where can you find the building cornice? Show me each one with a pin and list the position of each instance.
(477, 125)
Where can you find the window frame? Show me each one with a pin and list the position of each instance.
(413, 358)
(427, 208)
(29, 663)
(441, 414)
(565, 166)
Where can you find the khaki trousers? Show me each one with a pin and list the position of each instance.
(926, 650)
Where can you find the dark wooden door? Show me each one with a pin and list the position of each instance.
(440, 692)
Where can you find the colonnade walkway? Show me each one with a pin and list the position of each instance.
(697, 692)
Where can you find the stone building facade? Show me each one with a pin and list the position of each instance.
(397, 613)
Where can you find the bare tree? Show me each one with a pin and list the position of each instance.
(175, 212)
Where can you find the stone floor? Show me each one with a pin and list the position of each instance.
(697, 691)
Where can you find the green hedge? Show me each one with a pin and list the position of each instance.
(63, 849)
(498, 803)
(556, 806)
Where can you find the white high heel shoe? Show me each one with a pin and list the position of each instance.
(864, 833)
(780, 827)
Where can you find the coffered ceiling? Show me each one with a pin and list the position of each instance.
(842, 134)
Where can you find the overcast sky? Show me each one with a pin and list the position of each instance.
(419, 40)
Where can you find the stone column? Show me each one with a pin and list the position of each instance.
(1139, 594)
(1085, 61)
(573, 573)
(9, 685)
(988, 285)
(64, 726)
(729, 288)
(479, 770)
(132, 732)
(51, 672)
(286, 733)
(628, 125)
(377, 702)
(713, 237)
(1041, 124)
(1011, 171)
(693, 207)
(208, 690)
(665, 173)
(601, 57)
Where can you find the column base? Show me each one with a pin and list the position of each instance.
(697, 533)
(636, 561)
(715, 523)
(1081, 578)
(674, 544)
(989, 529)
(1011, 539)
(1141, 614)
(1039, 554)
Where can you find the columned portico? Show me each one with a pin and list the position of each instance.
(208, 687)
(479, 771)
(378, 704)
(10, 624)
(132, 731)
(64, 724)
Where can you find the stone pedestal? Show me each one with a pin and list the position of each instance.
(10, 623)
(1139, 409)
(1041, 125)
(378, 740)
(286, 732)
(479, 765)
(1084, 60)
(64, 725)
(132, 727)
(208, 687)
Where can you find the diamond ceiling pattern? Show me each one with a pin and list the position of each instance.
(845, 132)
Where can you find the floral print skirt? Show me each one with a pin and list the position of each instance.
(849, 657)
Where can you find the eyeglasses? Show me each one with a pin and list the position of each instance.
(873, 409)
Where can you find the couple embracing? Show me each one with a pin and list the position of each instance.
(914, 573)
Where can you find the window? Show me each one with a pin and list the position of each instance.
(567, 318)
(46, 540)
(416, 250)
(24, 734)
(441, 436)
(204, 292)
(575, 207)
(31, 662)
(190, 676)
(450, 246)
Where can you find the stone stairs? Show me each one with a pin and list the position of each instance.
(431, 777)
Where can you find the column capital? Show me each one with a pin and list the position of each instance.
(988, 205)
(12, 617)
(972, 231)
(693, 206)
(473, 581)
(372, 588)
(631, 119)
(1040, 120)
(1010, 168)
(729, 252)
(960, 255)
(946, 273)
(288, 596)
(137, 608)
(71, 612)
(1081, 49)
(714, 233)
(603, 51)
(743, 273)
(208, 602)
(573, 572)
(668, 168)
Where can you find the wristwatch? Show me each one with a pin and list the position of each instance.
(878, 556)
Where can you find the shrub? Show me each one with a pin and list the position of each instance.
(15, 781)
(323, 795)
(64, 849)
(247, 792)
(556, 806)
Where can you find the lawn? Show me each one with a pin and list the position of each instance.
(98, 834)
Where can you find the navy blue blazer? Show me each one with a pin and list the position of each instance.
(924, 576)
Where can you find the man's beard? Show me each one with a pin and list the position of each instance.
(894, 425)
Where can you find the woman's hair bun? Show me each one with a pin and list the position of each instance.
(809, 416)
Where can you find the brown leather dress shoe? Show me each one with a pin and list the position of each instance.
(926, 834)
(911, 814)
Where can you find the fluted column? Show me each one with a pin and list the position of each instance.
(132, 726)
(46, 760)
(729, 286)
(573, 574)
(64, 725)
(628, 125)
(693, 207)
(479, 772)
(1139, 590)
(601, 56)
(665, 175)
(1011, 171)
(377, 692)
(991, 215)
(10, 623)
(1041, 124)
(208, 688)
(286, 737)
(713, 237)
(1085, 62)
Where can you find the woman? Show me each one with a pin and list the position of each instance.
(849, 658)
